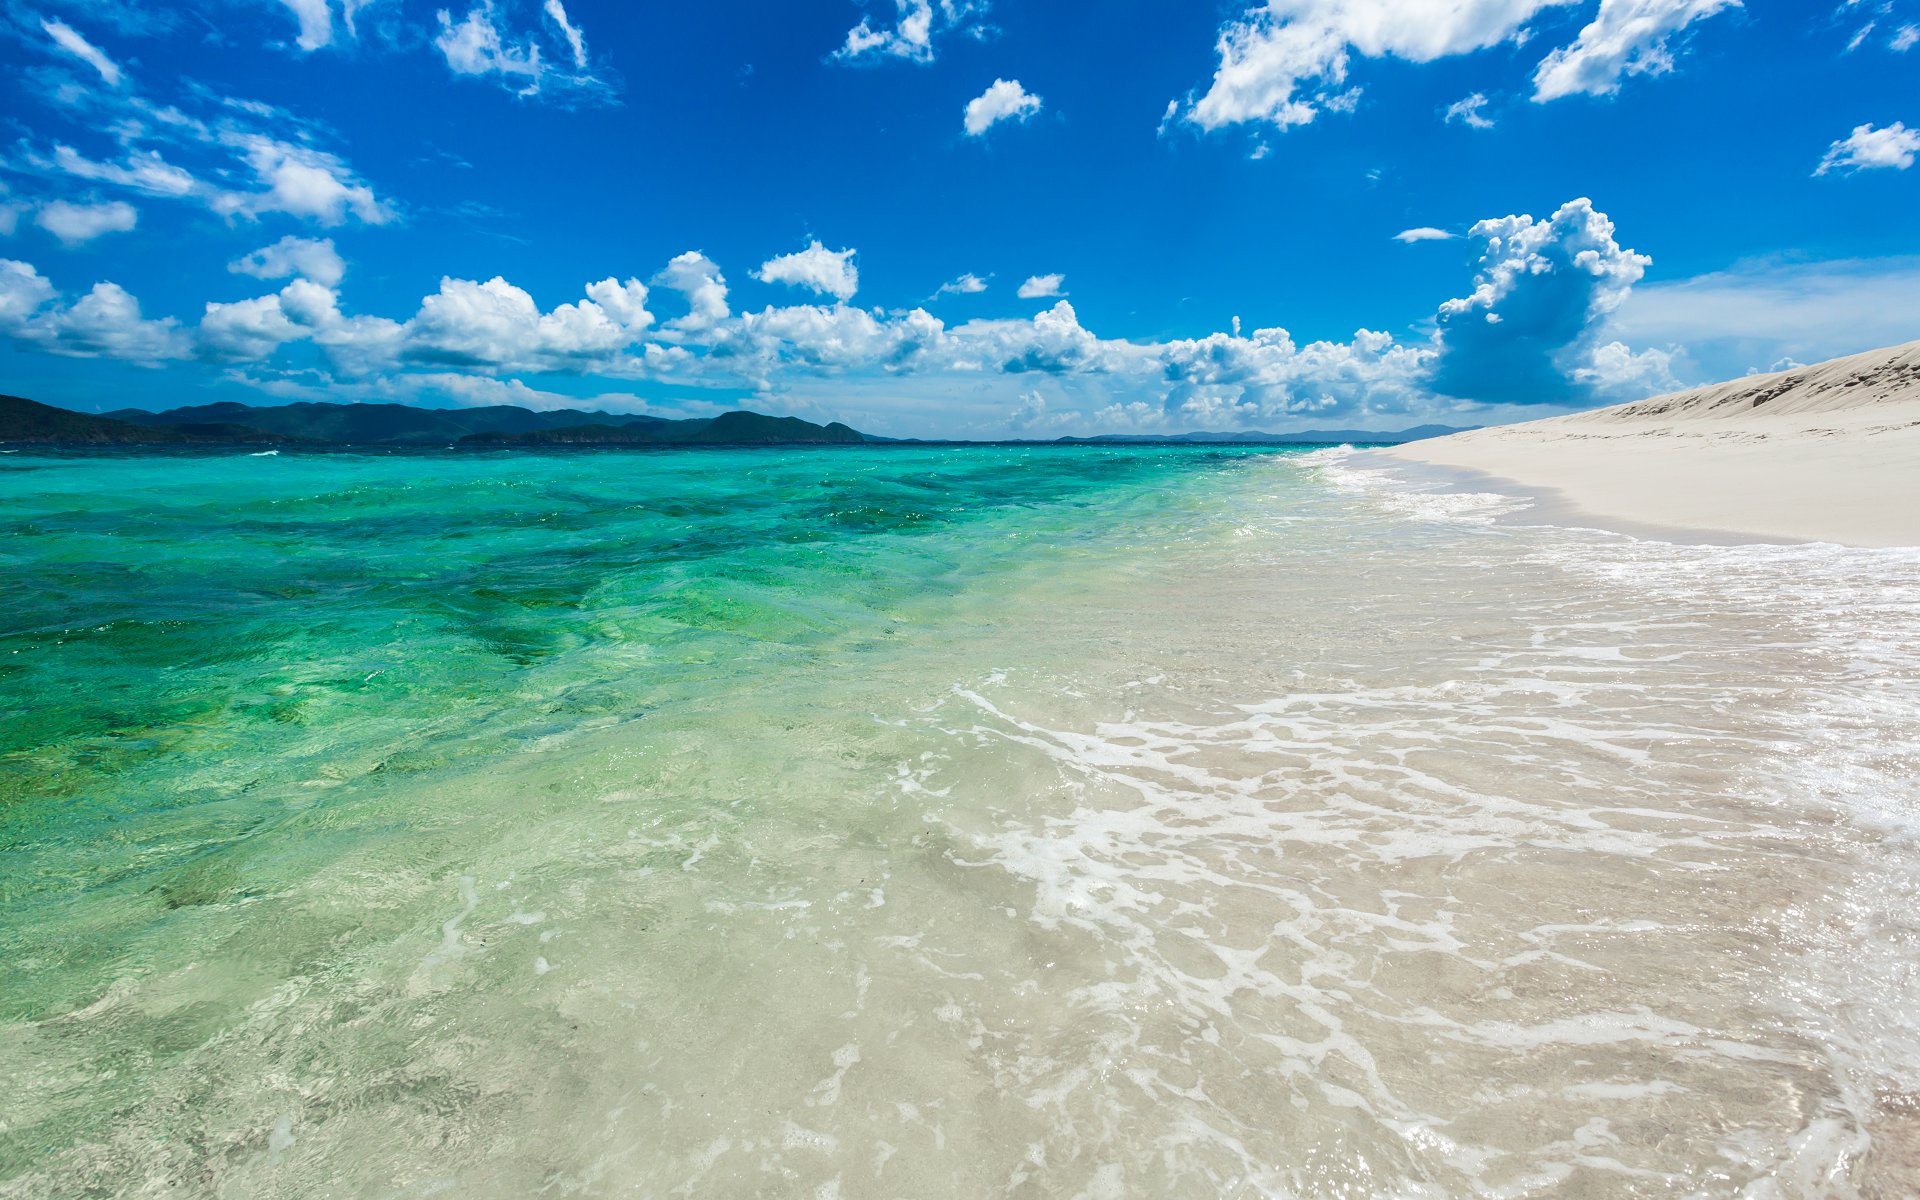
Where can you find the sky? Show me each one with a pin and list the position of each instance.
(950, 218)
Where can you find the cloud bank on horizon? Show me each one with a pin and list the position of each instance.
(170, 232)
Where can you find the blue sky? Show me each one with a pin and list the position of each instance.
(935, 217)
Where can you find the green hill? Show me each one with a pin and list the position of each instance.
(29, 422)
(727, 429)
(367, 424)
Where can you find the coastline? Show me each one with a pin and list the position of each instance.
(1833, 456)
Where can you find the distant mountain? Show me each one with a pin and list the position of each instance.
(727, 429)
(30, 422)
(369, 424)
(320, 424)
(500, 426)
(1332, 437)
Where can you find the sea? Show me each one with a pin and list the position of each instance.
(998, 821)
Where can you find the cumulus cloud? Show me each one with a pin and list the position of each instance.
(290, 256)
(1468, 112)
(625, 302)
(1233, 381)
(911, 35)
(1422, 233)
(1286, 59)
(818, 269)
(74, 224)
(496, 324)
(104, 323)
(466, 324)
(22, 291)
(1626, 37)
(1542, 290)
(1536, 329)
(1867, 147)
(698, 280)
(246, 330)
(69, 41)
(1041, 287)
(1004, 100)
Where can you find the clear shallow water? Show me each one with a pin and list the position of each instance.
(959, 822)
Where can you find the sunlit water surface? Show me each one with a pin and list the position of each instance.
(961, 822)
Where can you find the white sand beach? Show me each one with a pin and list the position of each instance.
(1826, 453)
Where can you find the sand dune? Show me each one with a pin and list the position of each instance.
(1829, 452)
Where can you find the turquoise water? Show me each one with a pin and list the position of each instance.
(197, 646)
(1098, 821)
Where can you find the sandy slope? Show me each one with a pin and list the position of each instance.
(1829, 452)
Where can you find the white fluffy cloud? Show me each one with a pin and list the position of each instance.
(74, 224)
(1626, 37)
(1867, 147)
(911, 34)
(1284, 60)
(698, 280)
(69, 41)
(1004, 100)
(1231, 381)
(22, 291)
(104, 323)
(303, 182)
(1531, 323)
(1041, 287)
(290, 256)
(247, 330)
(625, 302)
(1539, 328)
(1422, 233)
(818, 269)
(497, 324)
(466, 324)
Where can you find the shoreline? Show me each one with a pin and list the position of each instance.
(1829, 453)
(1549, 506)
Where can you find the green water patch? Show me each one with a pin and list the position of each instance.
(200, 654)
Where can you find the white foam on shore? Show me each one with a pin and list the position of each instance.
(1711, 712)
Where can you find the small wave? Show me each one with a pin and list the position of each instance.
(265, 454)
(1397, 494)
